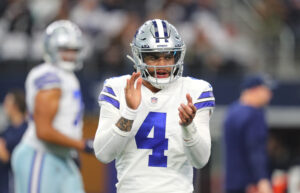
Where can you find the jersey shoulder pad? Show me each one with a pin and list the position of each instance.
(44, 76)
(111, 90)
(202, 93)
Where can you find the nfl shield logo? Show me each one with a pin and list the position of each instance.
(153, 100)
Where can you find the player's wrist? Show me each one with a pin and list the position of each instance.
(188, 132)
(129, 113)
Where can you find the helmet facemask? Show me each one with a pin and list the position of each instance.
(160, 76)
(69, 61)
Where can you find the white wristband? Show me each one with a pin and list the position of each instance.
(189, 131)
(129, 113)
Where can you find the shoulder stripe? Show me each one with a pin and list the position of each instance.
(206, 94)
(110, 100)
(48, 78)
(109, 90)
(204, 104)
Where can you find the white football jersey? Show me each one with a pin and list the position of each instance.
(154, 159)
(68, 119)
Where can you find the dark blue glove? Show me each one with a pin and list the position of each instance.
(88, 146)
(76, 158)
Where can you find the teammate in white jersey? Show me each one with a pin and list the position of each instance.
(42, 161)
(155, 123)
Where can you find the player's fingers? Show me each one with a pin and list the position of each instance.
(139, 84)
(132, 80)
(129, 82)
(192, 106)
(188, 112)
(182, 118)
(127, 85)
(184, 113)
(135, 76)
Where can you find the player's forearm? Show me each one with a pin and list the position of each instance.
(124, 124)
(52, 135)
(109, 143)
(196, 140)
(110, 139)
(198, 153)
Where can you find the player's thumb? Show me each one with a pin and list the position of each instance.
(189, 98)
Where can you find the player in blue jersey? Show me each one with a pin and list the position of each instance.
(155, 123)
(42, 162)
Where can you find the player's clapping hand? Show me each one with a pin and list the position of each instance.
(187, 111)
(133, 94)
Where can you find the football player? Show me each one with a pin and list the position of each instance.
(155, 123)
(42, 161)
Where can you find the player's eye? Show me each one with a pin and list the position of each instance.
(169, 56)
(151, 57)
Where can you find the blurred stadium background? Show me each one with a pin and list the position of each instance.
(226, 40)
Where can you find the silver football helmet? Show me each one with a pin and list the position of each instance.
(158, 36)
(63, 35)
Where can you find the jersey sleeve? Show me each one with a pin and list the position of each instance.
(197, 139)
(205, 98)
(196, 136)
(47, 80)
(109, 140)
(108, 95)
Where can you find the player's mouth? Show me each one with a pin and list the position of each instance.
(162, 74)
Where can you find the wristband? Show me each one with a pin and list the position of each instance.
(129, 113)
(189, 131)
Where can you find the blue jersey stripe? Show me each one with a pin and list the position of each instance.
(206, 94)
(165, 31)
(156, 31)
(205, 104)
(110, 100)
(47, 78)
(31, 172)
(47, 82)
(40, 173)
(109, 90)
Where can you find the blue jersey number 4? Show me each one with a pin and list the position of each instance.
(158, 143)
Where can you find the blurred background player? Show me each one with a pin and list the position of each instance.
(15, 109)
(42, 161)
(155, 123)
(245, 137)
